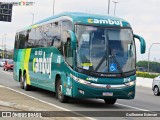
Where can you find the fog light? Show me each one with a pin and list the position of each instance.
(81, 91)
(130, 93)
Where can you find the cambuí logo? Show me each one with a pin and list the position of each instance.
(43, 64)
(106, 21)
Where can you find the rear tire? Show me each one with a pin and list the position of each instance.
(21, 82)
(110, 101)
(156, 91)
(62, 98)
(26, 86)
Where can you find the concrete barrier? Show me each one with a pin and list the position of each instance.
(144, 82)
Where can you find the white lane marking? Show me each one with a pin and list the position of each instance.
(70, 110)
(50, 104)
(45, 101)
(132, 107)
(39, 100)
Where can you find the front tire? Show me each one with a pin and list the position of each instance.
(110, 101)
(62, 98)
(156, 91)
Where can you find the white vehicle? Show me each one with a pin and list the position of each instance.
(2, 61)
(156, 86)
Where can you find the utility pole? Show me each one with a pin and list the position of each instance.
(53, 6)
(115, 2)
(149, 54)
(2, 47)
(32, 17)
(108, 6)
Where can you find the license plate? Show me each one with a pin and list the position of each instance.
(107, 94)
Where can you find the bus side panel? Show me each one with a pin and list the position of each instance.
(15, 69)
(18, 63)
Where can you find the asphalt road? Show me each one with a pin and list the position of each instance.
(144, 100)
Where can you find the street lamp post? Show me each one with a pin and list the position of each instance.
(5, 50)
(149, 53)
(108, 6)
(2, 46)
(115, 2)
(53, 6)
(32, 17)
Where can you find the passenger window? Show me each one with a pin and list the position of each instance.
(17, 41)
(67, 50)
(32, 38)
(55, 33)
(67, 25)
(22, 39)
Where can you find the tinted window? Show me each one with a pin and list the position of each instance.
(22, 39)
(47, 35)
(16, 45)
(31, 38)
(42, 36)
(55, 33)
(68, 52)
(67, 25)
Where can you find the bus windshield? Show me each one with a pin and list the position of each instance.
(105, 50)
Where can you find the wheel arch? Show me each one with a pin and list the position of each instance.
(156, 86)
(20, 73)
(24, 71)
(57, 78)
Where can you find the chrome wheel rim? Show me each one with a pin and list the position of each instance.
(156, 91)
(25, 84)
(22, 80)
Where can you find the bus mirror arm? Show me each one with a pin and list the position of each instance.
(142, 43)
(73, 39)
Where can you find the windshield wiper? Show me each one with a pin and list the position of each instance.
(114, 58)
(100, 63)
(118, 65)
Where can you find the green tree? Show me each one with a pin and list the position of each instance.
(153, 66)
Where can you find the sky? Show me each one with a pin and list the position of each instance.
(143, 15)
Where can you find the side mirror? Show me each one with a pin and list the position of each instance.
(142, 43)
(69, 35)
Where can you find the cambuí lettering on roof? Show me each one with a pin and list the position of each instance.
(106, 21)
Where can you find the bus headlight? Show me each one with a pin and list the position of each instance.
(79, 80)
(130, 83)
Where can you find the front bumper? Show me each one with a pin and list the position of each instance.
(98, 90)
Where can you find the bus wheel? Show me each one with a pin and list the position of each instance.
(62, 98)
(21, 82)
(26, 87)
(110, 101)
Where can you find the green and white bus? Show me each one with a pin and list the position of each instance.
(78, 55)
